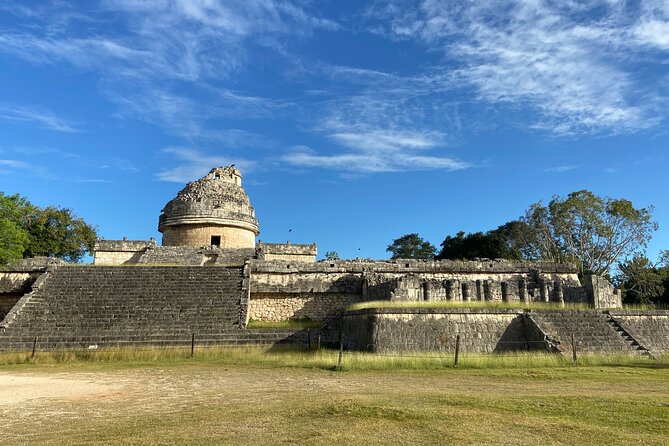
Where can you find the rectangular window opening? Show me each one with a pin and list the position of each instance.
(215, 240)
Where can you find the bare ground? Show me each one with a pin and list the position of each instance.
(214, 404)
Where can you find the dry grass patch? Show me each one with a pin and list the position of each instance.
(208, 402)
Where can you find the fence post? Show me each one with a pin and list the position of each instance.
(318, 342)
(341, 349)
(32, 355)
(309, 337)
(573, 348)
(192, 345)
(457, 351)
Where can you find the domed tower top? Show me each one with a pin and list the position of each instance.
(213, 210)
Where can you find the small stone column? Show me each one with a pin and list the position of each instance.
(505, 291)
(450, 291)
(522, 290)
(479, 292)
(487, 290)
(465, 292)
(543, 290)
(426, 290)
(559, 293)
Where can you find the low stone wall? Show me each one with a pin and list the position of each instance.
(650, 328)
(186, 255)
(315, 306)
(119, 252)
(423, 329)
(287, 252)
(17, 282)
(7, 302)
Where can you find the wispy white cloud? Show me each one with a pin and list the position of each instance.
(163, 61)
(561, 169)
(370, 162)
(568, 60)
(193, 164)
(19, 167)
(39, 116)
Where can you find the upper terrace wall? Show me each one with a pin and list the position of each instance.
(280, 287)
(119, 252)
(287, 252)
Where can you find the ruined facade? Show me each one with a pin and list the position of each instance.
(211, 222)
(210, 278)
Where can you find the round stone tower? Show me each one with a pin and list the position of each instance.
(213, 210)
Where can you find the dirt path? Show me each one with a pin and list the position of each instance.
(16, 389)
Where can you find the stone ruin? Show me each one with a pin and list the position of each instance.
(209, 276)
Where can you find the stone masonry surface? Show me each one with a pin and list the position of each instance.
(650, 327)
(399, 330)
(95, 304)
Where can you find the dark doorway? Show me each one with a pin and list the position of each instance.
(215, 240)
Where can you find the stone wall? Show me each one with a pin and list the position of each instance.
(7, 302)
(287, 252)
(435, 330)
(315, 306)
(601, 292)
(17, 282)
(288, 282)
(650, 328)
(119, 252)
(201, 234)
(186, 255)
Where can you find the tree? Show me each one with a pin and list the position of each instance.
(15, 212)
(411, 246)
(505, 242)
(475, 245)
(27, 230)
(643, 282)
(332, 255)
(13, 239)
(595, 232)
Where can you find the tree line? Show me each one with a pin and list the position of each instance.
(27, 230)
(599, 234)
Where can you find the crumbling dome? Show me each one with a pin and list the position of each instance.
(213, 210)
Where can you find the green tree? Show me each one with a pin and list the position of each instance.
(506, 242)
(27, 230)
(13, 240)
(411, 246)
(643, 282)
(332, 255)
(595, 232)
(475, 245)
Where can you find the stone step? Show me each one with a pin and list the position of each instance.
(87, 301)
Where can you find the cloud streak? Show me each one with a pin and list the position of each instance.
(195, 164)
(39, 116)
(568, 60)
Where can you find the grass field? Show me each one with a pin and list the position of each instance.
(166, 397)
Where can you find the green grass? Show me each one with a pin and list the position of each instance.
(232, 398)
(326, 359)
(289, 323)
(513, 305)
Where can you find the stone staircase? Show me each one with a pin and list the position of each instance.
(593, 331)
(227, 338)
(97, 304)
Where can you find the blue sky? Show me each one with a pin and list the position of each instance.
(353, 122)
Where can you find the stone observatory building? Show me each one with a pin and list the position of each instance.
(212, 211)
